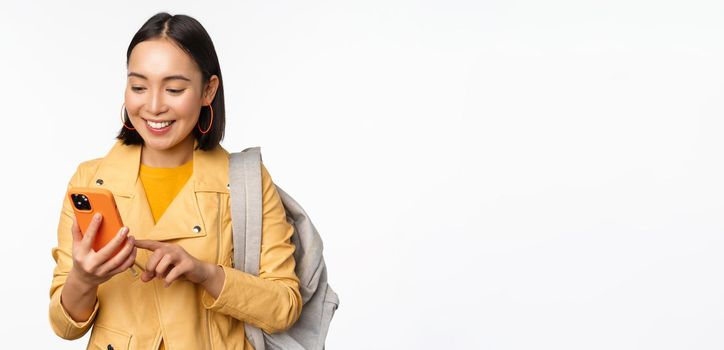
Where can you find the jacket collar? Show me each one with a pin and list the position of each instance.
(185, 216)
(119, 169)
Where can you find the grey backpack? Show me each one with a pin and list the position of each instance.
(319, 300)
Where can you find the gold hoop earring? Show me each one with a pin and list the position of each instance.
(123, 117)
(211, 121)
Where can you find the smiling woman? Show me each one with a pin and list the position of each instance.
(172, 91)
(169, 174)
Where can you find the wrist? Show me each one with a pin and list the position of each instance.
(214, 273)
(209, 271)
(82, 287)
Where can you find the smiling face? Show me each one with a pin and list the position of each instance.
(164, 94)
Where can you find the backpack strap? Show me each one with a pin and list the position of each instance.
(246, 208)
(246, 212)
(318, 298)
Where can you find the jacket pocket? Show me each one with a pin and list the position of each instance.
(106, 338)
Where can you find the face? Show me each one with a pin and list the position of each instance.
(164, 94)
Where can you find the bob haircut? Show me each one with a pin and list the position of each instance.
(190, 36)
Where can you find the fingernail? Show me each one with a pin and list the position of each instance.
(97, 216)
(123, 231)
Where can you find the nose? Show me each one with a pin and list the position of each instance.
(156, 104)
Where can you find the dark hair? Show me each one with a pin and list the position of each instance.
(191, 37)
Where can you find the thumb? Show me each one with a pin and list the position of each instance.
(90, 232)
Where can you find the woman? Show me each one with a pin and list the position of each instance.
(169, 177)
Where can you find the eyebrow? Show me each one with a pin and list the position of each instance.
(170, 77)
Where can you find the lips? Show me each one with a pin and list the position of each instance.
(158, 125)
(159, 128)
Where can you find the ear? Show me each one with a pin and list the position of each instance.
(210, 89)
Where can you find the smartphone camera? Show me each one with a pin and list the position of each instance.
(80, 201)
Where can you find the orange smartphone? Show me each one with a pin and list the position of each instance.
(86, 202)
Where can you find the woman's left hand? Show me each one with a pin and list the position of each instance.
(171, 262)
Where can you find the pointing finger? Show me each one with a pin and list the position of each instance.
(148, 244)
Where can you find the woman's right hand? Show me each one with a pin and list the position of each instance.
(93, 268)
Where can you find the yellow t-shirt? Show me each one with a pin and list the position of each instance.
(161, 186)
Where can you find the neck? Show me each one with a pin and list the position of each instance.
(169, 158)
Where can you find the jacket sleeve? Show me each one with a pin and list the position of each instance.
(272, 300)
(61, 322)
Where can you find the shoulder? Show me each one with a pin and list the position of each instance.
(266, 180)
(90, 164)
(85, 171)
(264, 171)
(268, 186)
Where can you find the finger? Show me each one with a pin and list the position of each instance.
(147, 276)
(126, 264)
(150, 272)
(90, 233)
(174, 274)
(167, 270)
(110, 248)
(119, 258)
(163, 265)
(148, 244)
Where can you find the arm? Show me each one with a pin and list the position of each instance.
(272, 300)
(74, 321)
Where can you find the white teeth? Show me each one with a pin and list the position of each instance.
(158, 125)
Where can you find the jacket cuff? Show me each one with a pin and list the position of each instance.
(263, 303)
(216, 304)
(64, 325)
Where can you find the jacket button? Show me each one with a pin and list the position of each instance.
(109, 347)
(197, 229)
(99, 182)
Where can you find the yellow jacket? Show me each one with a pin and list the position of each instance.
(131, 314)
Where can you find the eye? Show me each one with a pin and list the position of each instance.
(136, 88)
(173, 91)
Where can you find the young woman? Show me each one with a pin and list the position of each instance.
(169, 177)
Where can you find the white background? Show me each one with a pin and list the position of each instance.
(485, 174)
